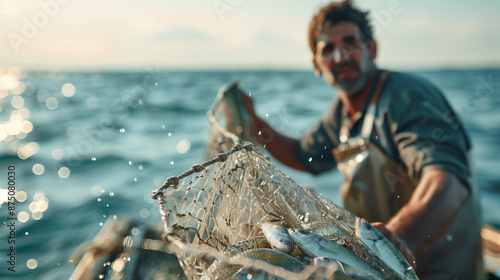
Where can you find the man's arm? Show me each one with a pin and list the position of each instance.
(282, 147)
(429, 214)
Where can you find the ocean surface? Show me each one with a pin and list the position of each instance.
(87, 146)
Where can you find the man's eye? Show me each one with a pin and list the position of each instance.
(328, 49)
(352, 42)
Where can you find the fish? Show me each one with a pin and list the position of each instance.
(277, 236)
(256, 242)
(228, 268)
(325, 230)
(275, 258)
(328, 268)
(314, 246)
(248, 244)
(386, 251)
(355, 244)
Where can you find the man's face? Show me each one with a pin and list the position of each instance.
(344, 60)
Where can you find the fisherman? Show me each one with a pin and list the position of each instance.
(403, 151)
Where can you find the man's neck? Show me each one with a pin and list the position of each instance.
(356, 103)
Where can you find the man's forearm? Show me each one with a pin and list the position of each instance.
(282, 147)
(431, 211)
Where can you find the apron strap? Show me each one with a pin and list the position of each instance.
(366, 130)
(369, 118)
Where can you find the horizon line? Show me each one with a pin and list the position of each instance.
(157, 68)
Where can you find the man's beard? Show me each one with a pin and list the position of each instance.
(351, 85)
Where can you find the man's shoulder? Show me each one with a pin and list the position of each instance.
(406, 88)
(410, 81)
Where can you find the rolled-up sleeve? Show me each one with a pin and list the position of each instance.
(427, 133)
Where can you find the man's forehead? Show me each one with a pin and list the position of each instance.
(337, 30)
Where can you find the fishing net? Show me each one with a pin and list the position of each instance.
(221, 202)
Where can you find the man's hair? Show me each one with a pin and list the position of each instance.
(337, 12)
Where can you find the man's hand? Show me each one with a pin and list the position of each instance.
(282, 147)
(396, 241)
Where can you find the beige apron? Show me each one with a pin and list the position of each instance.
(376, 187)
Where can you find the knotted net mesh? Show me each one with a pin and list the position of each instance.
(223, 201)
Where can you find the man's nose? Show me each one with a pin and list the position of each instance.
(341, 55)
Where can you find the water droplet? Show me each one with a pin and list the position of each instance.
(57, 153)
(26, 233)
(144, 213)
(51, 103)
(32, 263)
(63, 172)
(141, 167)
(107, 205)
(135, 179)
(23, 216)
(96, 190)
(183, 146)
(21, 196)
(38, 169)
(129, 162)
(111, 194)
(172, 162)
(99, 199)
(68, 90)
(169, 134)
(100, 224)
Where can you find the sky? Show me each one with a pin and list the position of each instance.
(236, 34)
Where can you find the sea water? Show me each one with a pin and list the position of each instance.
(88, 146)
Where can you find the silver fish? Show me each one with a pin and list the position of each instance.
(275, 258)
(223, 270)
(277, 236)
(314, 245)
(331, 269)
(377, 242)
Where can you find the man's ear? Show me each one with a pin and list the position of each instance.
(317, 72)
(373, 49)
